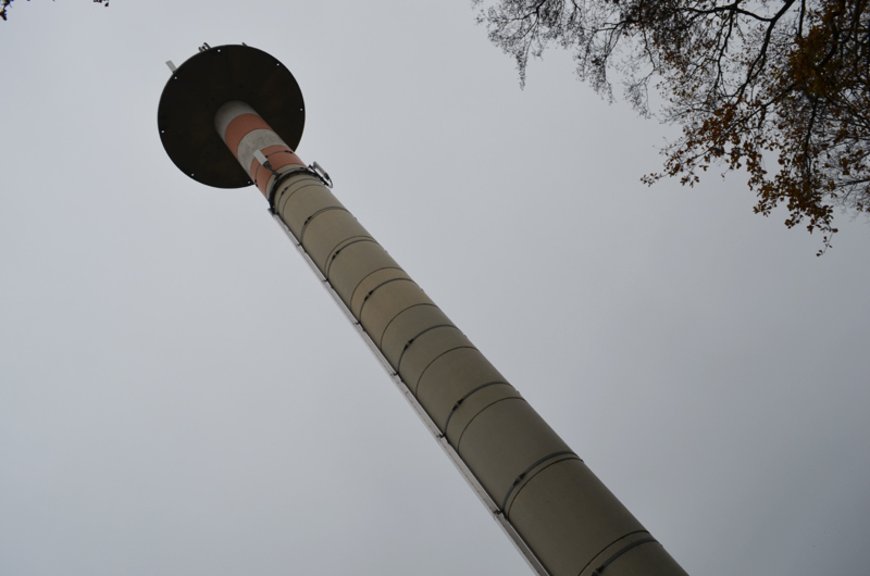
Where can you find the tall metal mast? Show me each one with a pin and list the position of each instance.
(232, 116)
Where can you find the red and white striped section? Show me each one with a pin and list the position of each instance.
(257, 147)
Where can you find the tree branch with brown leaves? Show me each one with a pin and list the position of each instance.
(779, 90)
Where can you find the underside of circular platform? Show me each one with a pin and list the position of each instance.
(203, 84)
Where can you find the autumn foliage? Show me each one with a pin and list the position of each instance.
(778, 89)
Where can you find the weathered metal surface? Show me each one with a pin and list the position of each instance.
(562, 513)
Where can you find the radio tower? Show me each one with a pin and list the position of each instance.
(232, 116)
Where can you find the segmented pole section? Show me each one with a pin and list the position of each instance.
(566, 521)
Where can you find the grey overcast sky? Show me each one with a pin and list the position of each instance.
(165, 409)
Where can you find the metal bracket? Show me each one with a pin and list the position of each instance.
(318, 171)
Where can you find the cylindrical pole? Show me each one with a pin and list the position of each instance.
(567, 522)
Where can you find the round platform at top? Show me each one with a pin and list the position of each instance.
(203, 84)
